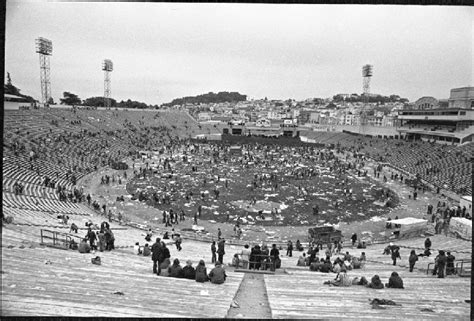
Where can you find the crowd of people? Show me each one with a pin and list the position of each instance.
(344, 280)
(102, 239)
(324, 264)
(162, 266)
(256, 257)
(18, 188)
(269, 168)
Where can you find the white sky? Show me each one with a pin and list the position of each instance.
(163, 51)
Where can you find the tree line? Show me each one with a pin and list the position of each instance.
(73, 99)
(209, 98)
(354, 98)
(10, 89)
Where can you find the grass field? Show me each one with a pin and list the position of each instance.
(293, 197)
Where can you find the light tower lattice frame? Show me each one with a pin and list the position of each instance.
(107, 67)
(44, 47)
(367, 72)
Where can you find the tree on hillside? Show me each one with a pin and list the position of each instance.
(98, 102)
(10, 89)
(132, 104)
(210, 98)
(51, 101)
(70, 99)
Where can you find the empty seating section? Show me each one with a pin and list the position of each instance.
(303, 295)
(94, 137)
(19, 169)
(30, 189)
(60, 283)
(445, 166)
(64, 139)
(83, 140)
(122, 286)
(35, 218)
(19, 173)
(66, 144)
(43, 204)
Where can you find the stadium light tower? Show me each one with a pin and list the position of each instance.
(45, 49)
(107, 67)
(366, 75)
(367, 71)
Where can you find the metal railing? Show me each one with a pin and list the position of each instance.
(428, 268)
(59, 239)
(457, 270)
(460, 270)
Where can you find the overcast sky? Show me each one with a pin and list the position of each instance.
(166, 51)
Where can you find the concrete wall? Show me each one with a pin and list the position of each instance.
(11, 105)
(369, 130)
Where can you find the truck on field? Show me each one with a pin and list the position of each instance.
(324, 234)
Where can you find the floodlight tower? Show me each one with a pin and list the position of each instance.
(45, 49)
(366, 75)
(107, 67)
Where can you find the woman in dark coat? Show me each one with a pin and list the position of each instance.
(188, 271)
(412, 260)
(175, 270)
(255, 256)
(427, 243)
(395, 281)
(442, 260)
(201, 272)
(375, 283)
(450, 264)
(213, 251)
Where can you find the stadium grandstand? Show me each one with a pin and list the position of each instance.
(54, 157)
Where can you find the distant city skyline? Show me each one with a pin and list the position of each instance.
(163, 51)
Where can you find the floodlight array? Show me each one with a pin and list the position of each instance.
(44, 46)
(367, 71)
(107, 65)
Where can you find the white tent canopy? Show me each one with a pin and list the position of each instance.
(408, 221)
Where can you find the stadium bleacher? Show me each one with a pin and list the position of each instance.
(450, 166)
(39, 280)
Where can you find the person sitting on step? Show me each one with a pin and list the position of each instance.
(201, 272)
(361, 245)
(356, 264)
(84, 247)
(236, 261)
(188, 271)
(146, 250)
(325, 267)
(315, 266)
(301, 260)
(395, 281)
(342, 279)
(360, 281)
(136, 249)
(375, 283)
(164, 267)
(217, 274)
(175, 270)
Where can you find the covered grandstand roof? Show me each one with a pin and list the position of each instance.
(13, 97)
